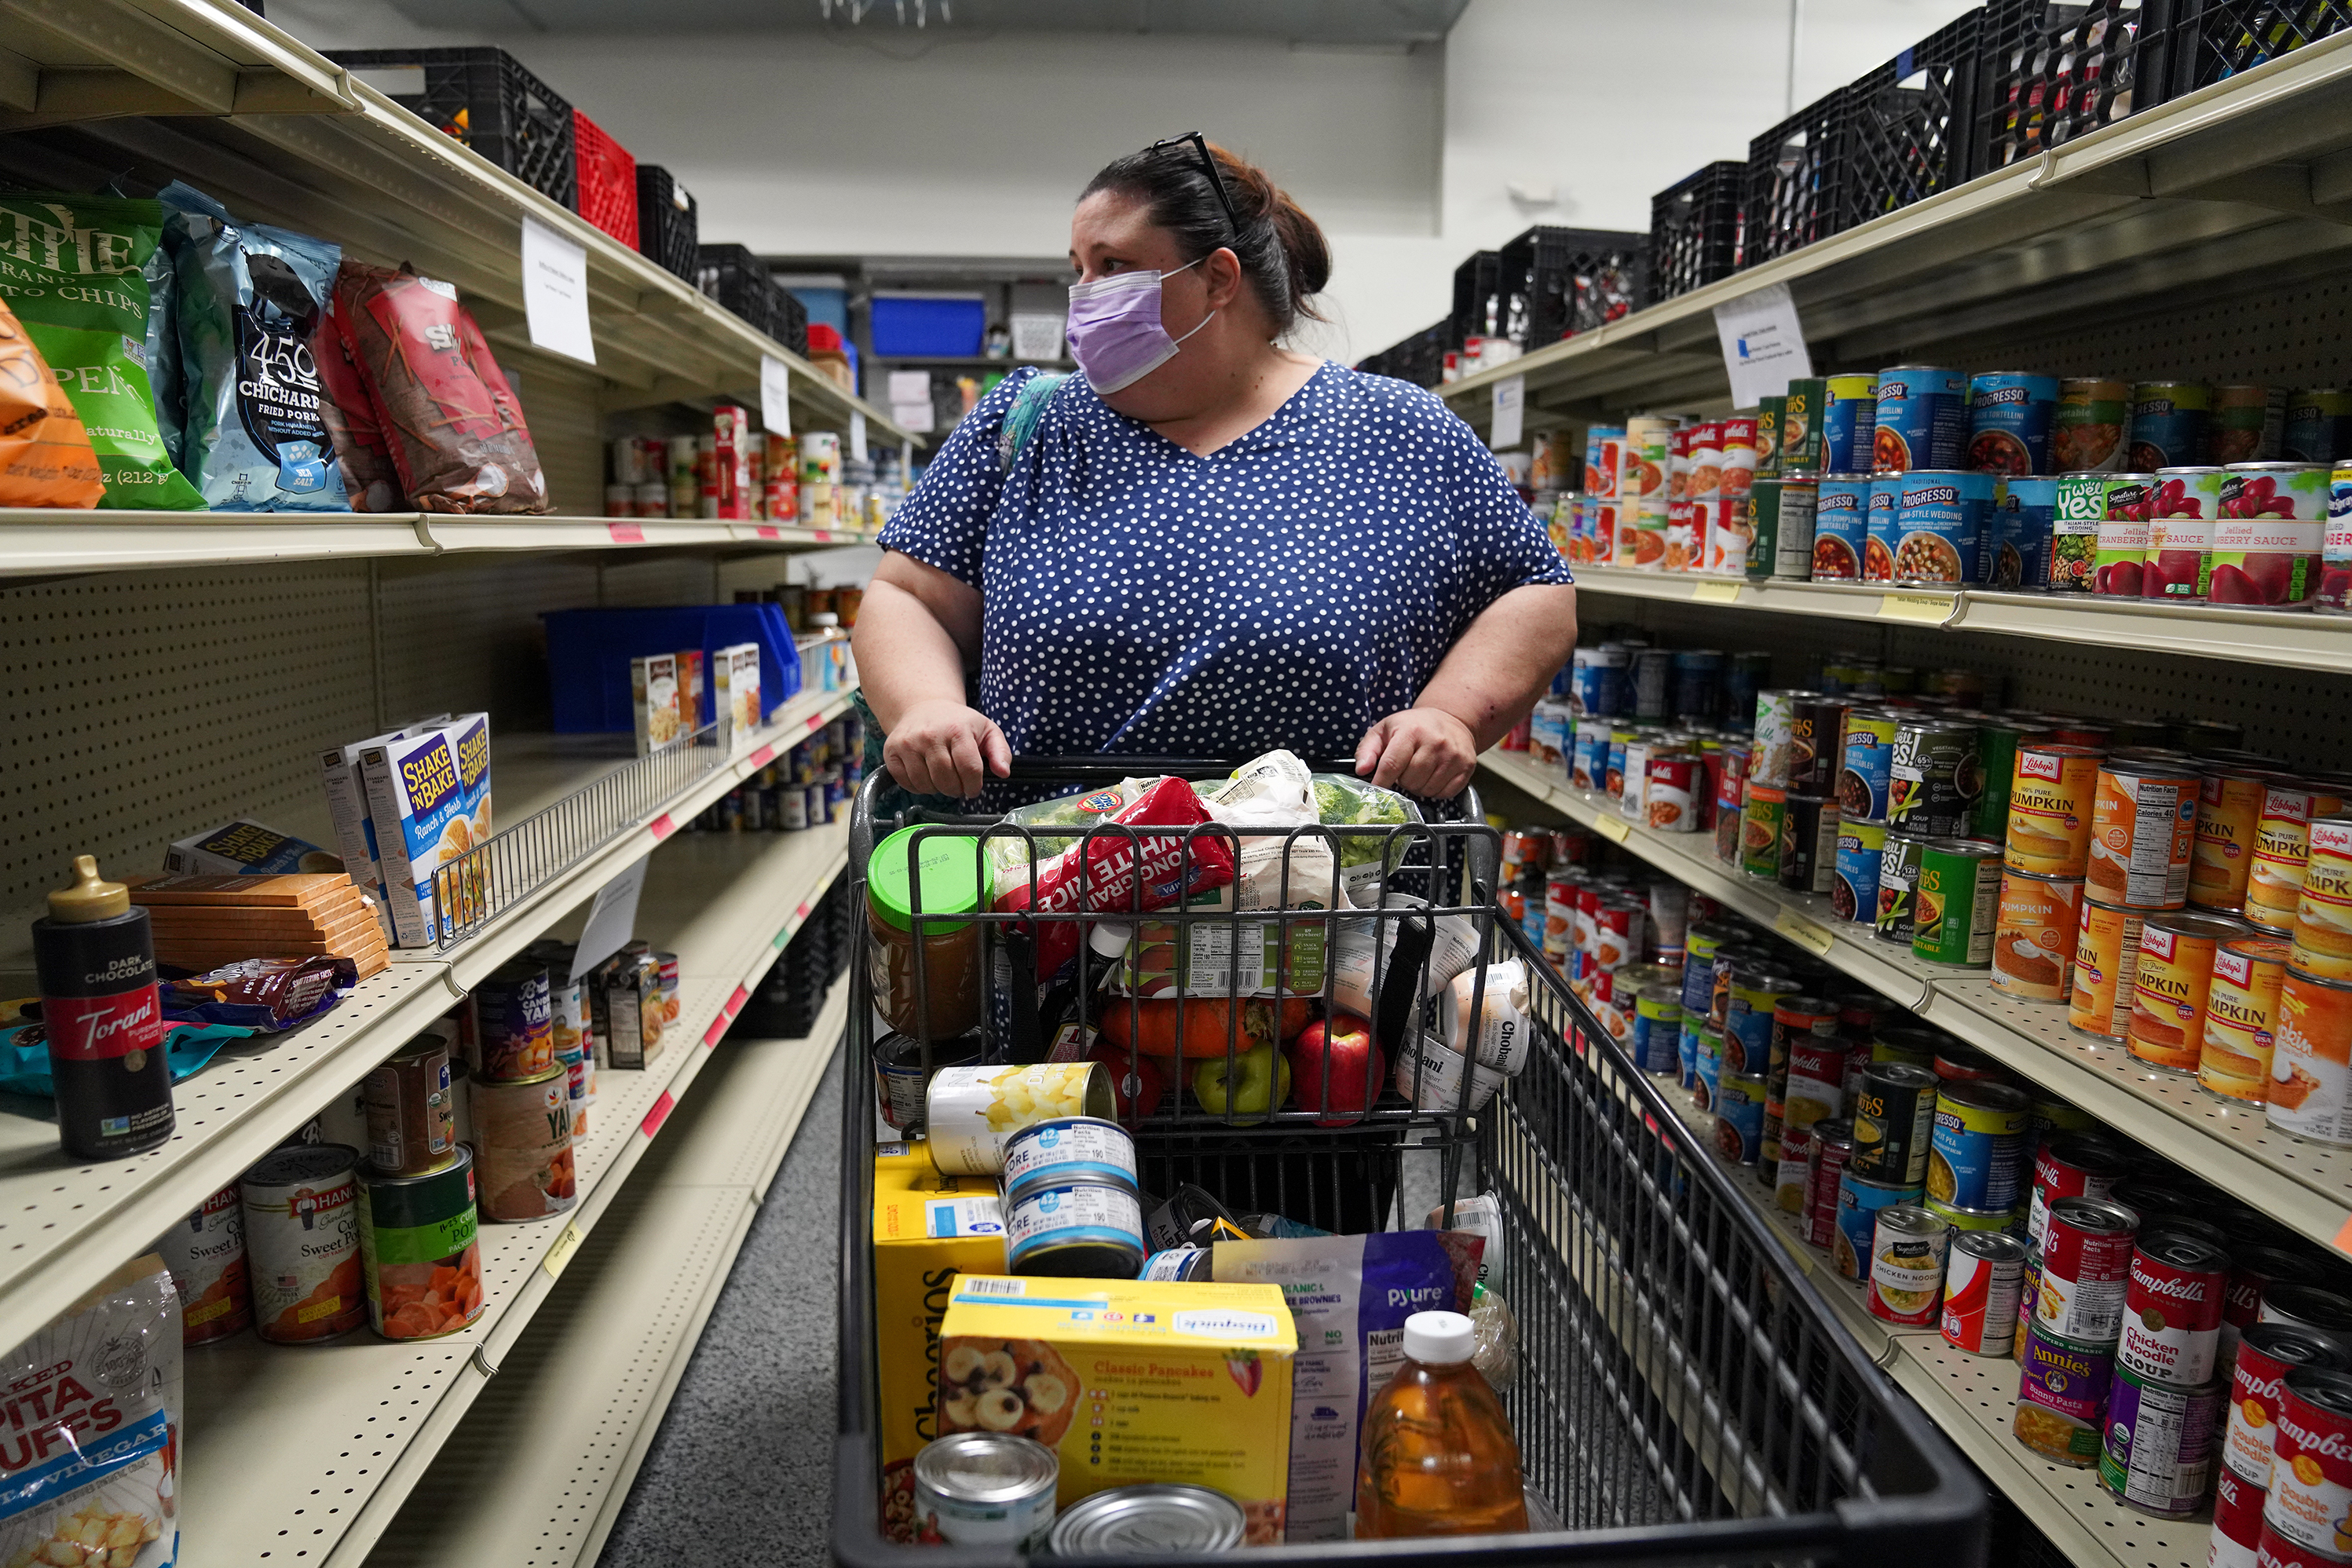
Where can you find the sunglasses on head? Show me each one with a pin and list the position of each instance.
(1209, 166)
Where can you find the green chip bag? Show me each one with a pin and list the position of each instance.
(74, 270)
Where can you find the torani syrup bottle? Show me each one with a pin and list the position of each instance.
(103, 1020)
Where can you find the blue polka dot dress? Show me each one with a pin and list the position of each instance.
(1289, 589)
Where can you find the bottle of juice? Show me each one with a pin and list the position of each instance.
(1438, 1455)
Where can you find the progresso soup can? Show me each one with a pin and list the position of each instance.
(1840, 527)
(1865, 761)
(2010, 413)
(2089, 428)
(1850, 424)
(1898, 886)
(2167, 423)
(1853, 889)
(2021, 533)
(1922, 419)
(1878, 546)
(1781, 522)
(1941, 524)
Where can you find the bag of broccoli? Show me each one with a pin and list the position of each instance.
(249, 297)
(74, 269)
(1365, 859)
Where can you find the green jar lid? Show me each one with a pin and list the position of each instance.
(950, 867)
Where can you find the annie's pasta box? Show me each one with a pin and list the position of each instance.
(428, 794)
(737, 669)
(654, 700)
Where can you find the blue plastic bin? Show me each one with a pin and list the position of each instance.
(926, 326)
(588, 654)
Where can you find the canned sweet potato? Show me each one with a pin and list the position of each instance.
(2051, 800)
(302, 1241)
(206, 1253)
(2171, 984)
(2143, 822)
(2282, 848)
(2322, 910)
(2310, 1060)
(2241, 1015)
(2229, 814)
(2034, 935)
(2106, 963)
(523, 1147)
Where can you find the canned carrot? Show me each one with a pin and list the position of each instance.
(2229, 812)
(2143, 822)
(2241, 1014)
(2051, 800)
(2282, 848)
(2171, 984)
(2311, 1060)
(2106, 959)
(2323, 911)
(2033, 935)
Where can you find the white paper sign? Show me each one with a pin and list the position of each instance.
(555, 292)
(909, 386)
(857, 435)
(775, 395)
(1511, 412)
(1763, 344)
(612, 919)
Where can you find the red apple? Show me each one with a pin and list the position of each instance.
(1339, 1055)
(1151, 1083)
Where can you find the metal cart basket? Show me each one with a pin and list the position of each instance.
(1683, 1394)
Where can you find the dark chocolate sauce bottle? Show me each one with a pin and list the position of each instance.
(103, 1020)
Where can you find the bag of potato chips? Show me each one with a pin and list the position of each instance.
(45, 456)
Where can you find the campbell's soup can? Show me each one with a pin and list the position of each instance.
(2310, 1085)
(1981, 1285)
(2311, 1306)
(1826, 1159)
(2311, 1473)
(2276, 1552)
(2172, 1308)
(2086, 1252)
(206, 1253)
(2237, 1521)
(2071, 1164)
(2266, 1353)
(2242, 1018)
(1671, 797)
(2255, 1271)
(2157, 1457)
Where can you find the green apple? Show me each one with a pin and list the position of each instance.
(1261, 1082)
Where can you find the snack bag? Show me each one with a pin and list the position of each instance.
(370, 479)
(248, 302)
(97, 1397)
(45, 454)
(450, 420)
(1111, 872)
(270, 995)
(74, 269)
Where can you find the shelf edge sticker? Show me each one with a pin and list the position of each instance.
(657, 1115)
(1717, 593)
(718, 1027)
(815, 718)
(625, 533)
(560, 1255)
(1926, 607)
(762, 756)
(1812, 937)
(1616, 830)
(768, 532)
(735, 1004)
(661, 827)
(821, 536)
(2343, 1237)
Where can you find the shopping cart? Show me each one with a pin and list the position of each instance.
(1683, 1394)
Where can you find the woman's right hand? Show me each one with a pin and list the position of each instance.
(946, 749)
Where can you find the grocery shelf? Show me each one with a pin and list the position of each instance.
(551, 1448)
(2291, 640)
(245, 110)
(314, 1447)
(2244, 179)
(2304, 1186)
(64, 1226)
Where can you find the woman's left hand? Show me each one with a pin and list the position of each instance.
(1424, 751)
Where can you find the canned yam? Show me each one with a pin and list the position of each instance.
(419, 1244)
(302, 1242)
(206, 1253)
(2241, 1014)
(523, 1146)
(2171, 984)
(2107, 962)
(2034, 935)
(2311, 1060)
(2283, 849)
(2143, 822)
(2229, 813)
(2051, 797)
(2322, 910)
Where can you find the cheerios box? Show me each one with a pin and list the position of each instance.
(1129, 1381)
(928, 1228)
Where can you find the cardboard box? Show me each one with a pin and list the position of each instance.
(354, 826)
(928, 1229)
(738, 705)
(247, 849)
(1129, 1381)
(429, 795)
(690, 690)
(653, 699)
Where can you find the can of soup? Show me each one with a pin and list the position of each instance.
(1981, 1285)
(1763, 822)
(2266, 1353)
(2071, 1164)
(2237, 1521)
(1892, 1117)
(2167, 423)
(1853, 886)
(1898, 885)
(2157, 1457)
(1908, 1251)
(1840, 527)
(1809, 836)
(1780, 516)
(2020, 536)
(2091, 426)
(2246, 424)
(1931, 763)
(1825, 1165)
(1941, 528)
(1955, 902)
(1922, 420)
(2078, 509)
(1865, 761)
(2062, 1397)
(2172, 1308)
(1859, 1204)
(1849, 424)
(2086, 1251)
(1977, 1148)
(302, 1242)
(2311, 1469)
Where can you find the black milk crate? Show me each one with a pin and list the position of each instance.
(1420, 359)
(1558, 282)
(744, 285)
(2050, 72)
(667, 221)
(2201, 42)
(1683, 1394)
(1695, 229)
(1478, 305)
(1911, 124)
(1794, 170)
(485, 97)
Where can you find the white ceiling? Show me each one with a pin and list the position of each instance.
(1391, 22)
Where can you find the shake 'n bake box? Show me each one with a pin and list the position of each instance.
(429, 795)
(927, 1229)
(1129, 1381)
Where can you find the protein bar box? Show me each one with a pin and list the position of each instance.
(428, 794)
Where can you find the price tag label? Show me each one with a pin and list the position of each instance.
(661, 827)
(657, 1115)
(762, 756)
(767, 531)
(625, 533)
(821, 536)
(735, 1003)
(1812, 935)
(559, 1254)
(1717, 593)
(711, 1036)
(1927, 607)
(1616, 830)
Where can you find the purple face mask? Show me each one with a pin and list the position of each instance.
(1114, 331)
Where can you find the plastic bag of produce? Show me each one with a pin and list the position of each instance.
(95, 1402)
(253, 439)
(1365, 860)
(74, 269)
(1009, 854)
(363, 454)
(453, 427)
(1115, 871)
(45, 454)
